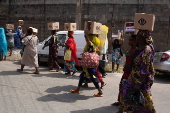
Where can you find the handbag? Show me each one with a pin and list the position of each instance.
(90, 60)
(135, 98)
(67, 55)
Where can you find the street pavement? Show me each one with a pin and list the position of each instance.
(48, 92)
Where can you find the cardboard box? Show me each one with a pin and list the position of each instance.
(144, 21)
(129, 28)
(21, 22)
(53, 26)
(93, 27)
(70, 26)
(10, 26)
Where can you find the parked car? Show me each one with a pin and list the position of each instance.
(62, 35)
(162, 61)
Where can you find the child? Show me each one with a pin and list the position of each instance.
(127, 67)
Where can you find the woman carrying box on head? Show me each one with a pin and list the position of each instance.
(69, 65)
(90, 74)
(117, 53)
(138, 84)
(53, 44)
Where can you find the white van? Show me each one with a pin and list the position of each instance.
(62, 35)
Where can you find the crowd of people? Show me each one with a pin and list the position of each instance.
(134, 88)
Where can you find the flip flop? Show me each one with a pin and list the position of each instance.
(98, 95)
(74, 72)
(74, 91)
(19, 70)
(58, 69)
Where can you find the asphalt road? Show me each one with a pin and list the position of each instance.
(48, 92)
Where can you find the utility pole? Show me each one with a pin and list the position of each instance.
(78, 13)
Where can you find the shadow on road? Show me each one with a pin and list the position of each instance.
(56, 75)
(59, 89)
(105, 109)
(65, 97)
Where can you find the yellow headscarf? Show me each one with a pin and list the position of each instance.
(95, 42)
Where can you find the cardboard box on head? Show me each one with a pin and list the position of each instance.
(53, 26)
(144, 21)
(93, 27)
(70, 27)
(118, 37)
(129, 28)
(10, 26)
(21, 22)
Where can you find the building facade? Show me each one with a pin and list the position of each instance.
(113, 13)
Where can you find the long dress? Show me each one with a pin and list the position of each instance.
(30, 57)
(142, 65)
(3, 42)
(53, 51)
(72, 46)
(17, 39)
(126, 74)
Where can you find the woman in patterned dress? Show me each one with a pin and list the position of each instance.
(116, 54)
(127, 67)
(142, 75)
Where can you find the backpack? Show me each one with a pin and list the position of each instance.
(1, 55)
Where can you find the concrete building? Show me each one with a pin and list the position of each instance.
(113, 13)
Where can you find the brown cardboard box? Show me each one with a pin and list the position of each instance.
(21, 22)
(144, 21)
(10, 26)
(93, 27)
(129, 28)
(53, 26)
(70, 27)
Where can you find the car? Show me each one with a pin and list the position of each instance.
(62, 35)
(162, 61)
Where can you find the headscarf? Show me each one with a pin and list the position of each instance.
(72, 45)
(94, 40)
(148, 38)
(3, 42)
(71, 33)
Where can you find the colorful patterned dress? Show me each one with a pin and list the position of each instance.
(126, 74)
(17, 39)
(142, 65)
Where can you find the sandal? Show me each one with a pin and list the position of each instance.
(116, 104)
(59, 68)
(74, 91)
(36, 73)
(98, 95)
(74, 72)
(19, 70)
